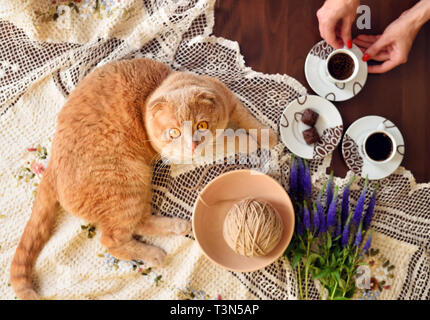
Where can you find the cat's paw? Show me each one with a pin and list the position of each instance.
(181, 227)
(154, 256)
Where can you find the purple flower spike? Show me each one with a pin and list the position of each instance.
(320, 210)
(293, 176)
(316, 219)
(359, 235)
(331, 215)
(339, 225)
(300, 227)
(368, 243)
(307, 183)
(306, 216)
(301, 173)
(329, 190)
(345, 201)
(360, 205)
(321, 215)
(345, 233)
(369, 211)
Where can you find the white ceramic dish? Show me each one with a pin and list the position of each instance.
(329, 126)
(316, 75)
(353, 153)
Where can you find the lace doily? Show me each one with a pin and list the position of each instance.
(49, 46)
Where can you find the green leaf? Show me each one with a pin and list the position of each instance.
(311, 258)
(342, 283)
(296, 259)
(336, 275)
(329, 243)
(323, 273)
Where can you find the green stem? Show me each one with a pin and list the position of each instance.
(334, 290)
(350, 273)
(300, 282)
(307, 267)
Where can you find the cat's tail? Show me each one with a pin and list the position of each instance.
(36, 233)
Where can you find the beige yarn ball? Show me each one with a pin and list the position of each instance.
(252, 228)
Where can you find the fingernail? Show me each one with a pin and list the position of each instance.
(366, 57)
(349, 44)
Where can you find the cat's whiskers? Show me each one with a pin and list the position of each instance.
(163, 165)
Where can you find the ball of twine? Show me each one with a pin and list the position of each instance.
(252, 228)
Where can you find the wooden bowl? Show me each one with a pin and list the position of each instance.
(218, 197)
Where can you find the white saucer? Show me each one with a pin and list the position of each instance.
(353, 154)
(329, 126)
(316, 75)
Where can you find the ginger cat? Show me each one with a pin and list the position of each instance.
(119, 119)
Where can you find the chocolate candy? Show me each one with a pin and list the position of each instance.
(311, 135)
(309, 117)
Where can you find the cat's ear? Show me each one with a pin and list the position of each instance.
(206, 98)
(156, 105)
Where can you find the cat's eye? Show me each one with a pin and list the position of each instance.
(174, 133)
(202, 125)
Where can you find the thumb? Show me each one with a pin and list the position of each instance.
(378, 46)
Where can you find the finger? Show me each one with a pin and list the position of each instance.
(382, 56)
(367, 38)
(378, 46)
(346, 32)
(382, 68)
(362, 43)
(328, 33)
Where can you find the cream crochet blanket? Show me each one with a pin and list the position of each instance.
(49, 46)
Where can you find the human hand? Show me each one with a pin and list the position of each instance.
(335, 19)
(393, 46)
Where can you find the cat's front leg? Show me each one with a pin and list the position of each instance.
(242, 118)
(151, 225)
(159, 225)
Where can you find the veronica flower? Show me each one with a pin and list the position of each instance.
(300, 175)
(345, 233)
(315, 219)
(368, 243)
(339, 225)
(299, 225)
(320, 210)
(360, 204)
(345, 201)
(359, 235)
(368, 216)
(331, 214)
(307, 183)
(300, 228)
(293, 176)
(306, 216)
(329, 189)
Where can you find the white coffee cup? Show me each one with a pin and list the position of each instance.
(382, 128)
(354, 59)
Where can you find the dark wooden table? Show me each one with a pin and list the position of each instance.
(276, 35)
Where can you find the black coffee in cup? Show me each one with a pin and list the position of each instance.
(341, 66)
(379, 146)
